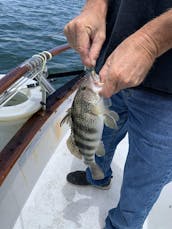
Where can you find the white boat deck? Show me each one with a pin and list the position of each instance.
(55, 204)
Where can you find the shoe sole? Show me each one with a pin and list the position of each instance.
(107, 187)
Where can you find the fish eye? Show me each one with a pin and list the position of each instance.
(83, 88)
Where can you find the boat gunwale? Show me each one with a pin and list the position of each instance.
(18, 144)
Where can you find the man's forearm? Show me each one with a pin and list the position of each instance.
(100, 6)
(158, 33)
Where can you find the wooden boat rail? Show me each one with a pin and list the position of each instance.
(16, 146)
(19, 71)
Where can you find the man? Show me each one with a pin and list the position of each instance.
(129, 41)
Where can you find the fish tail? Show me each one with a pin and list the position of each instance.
(96, 171)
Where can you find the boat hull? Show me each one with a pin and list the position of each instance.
(19, 183)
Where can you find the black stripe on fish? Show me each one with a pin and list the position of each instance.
(89, 158)
(83, 128)
(80, 134)
(87, 155)
(87, 161)
(83, 146)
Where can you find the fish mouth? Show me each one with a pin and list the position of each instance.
(92, 86)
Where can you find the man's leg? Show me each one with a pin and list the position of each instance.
(149, 163)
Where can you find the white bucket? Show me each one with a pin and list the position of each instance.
(18, 110)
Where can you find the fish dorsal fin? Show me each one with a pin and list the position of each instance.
(100, 150)
(67, 118)
(111, 118)
(73, 148)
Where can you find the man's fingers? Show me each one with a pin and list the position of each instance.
(107, 86)
(104, 72)
(107, 77)
(79, 38)
(108, 89)
(85, 41)
(96, 46)
(82, 43)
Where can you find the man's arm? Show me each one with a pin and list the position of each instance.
(86, 33)
(130, 62)
(159, 33)
(100, 6)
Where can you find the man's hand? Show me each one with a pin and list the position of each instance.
(86, 33)
(128, 64)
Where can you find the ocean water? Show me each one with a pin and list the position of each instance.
(29, 27)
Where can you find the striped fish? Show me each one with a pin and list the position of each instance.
(87, 117)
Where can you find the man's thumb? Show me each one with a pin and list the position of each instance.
(95, 48)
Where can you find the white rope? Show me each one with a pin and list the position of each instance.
(49, 54)
(41, 56)
(37, 65)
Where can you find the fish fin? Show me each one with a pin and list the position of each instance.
(107, 102)
(114, 115)
(111, 117)
(73, 148)
(102, 108)
(67, 118)
(96, 171)
(101, 150)
(98, 109)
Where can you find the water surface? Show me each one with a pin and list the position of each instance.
(29, 27)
